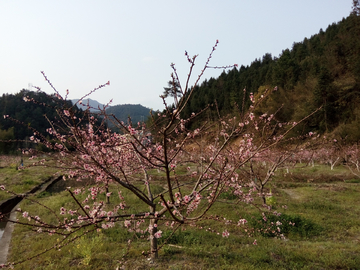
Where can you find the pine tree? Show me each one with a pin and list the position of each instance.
(173, 90)
(356, 7)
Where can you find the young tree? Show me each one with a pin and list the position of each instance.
(122, 164)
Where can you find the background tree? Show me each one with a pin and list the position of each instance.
(356, 7)
(173, 90)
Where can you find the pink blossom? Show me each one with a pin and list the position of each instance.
(225, 234)
(252, 98)
(127, 223)
(62, 211)
(158, 234)
(242, 222)
(66, 112)
(186, 199)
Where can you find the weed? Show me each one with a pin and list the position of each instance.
(43, 194)
(273, 226)
(87, 247)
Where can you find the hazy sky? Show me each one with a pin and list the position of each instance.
(81, 44)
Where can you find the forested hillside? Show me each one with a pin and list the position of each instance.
(323, 70)
(27, 116)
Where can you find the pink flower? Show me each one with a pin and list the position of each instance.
(255, 243)
(186, 199)
(66, 112)
(242, 222)
(225, 234)
(158, 234)
(127, 223)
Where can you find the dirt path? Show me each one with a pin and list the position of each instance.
(293, 194)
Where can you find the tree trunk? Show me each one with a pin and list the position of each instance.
(107, 197)
(153, 240)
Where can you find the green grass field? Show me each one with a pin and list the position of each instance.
(21, 180)
(323, 204)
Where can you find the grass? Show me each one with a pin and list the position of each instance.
(23, 180)
(323, 204)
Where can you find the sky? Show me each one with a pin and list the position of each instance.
(81, 44)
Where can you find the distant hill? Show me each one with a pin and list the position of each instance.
(94, 105)
(137, 112)
(31, 115)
